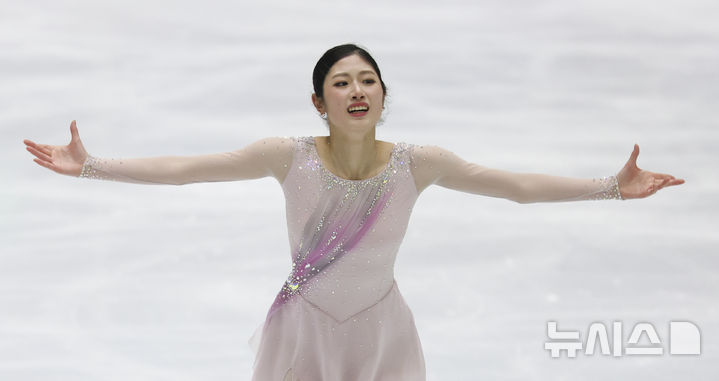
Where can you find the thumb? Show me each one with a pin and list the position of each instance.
(73, 132)
(634, 155)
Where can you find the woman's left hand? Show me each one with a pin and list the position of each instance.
(638, 183)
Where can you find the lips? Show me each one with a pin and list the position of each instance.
(358, 109)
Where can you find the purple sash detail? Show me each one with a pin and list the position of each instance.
(339, 222)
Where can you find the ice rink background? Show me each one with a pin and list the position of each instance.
(110, 281)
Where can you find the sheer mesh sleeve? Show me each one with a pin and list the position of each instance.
(435, 165)
(266, 157)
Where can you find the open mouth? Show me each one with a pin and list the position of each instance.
(358, 109)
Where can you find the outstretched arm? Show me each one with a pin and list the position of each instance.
(435, 165)
(267, 157)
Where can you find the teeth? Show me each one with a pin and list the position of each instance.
(358, 108)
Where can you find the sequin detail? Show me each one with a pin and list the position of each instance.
(608, 189)
(91, 169)
(341, 219)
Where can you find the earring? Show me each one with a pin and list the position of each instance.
(323, 116)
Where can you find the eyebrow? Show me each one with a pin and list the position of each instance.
(347, 75)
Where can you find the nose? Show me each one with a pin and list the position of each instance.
(357, 92)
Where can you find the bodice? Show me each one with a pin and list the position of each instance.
(321, 205)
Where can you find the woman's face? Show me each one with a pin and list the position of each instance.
(353, 94)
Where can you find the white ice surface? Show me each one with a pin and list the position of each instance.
(108, 281)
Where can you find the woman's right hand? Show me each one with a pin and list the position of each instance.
(66, 160)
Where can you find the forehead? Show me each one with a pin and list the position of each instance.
(351, 65)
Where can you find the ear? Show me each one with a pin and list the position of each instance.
(319, 104)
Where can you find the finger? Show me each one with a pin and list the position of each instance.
(46, 149)
(662, 183)
(667, 180)
(675, 182)
(634, 155)
(73, 131)
(670, 182)
(662, 176)
(39, 154)
(30, 143)
(46, 164)
(40, 147)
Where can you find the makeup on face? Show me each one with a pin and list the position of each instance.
(352, 86)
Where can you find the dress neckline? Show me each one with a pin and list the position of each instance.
(381, 173)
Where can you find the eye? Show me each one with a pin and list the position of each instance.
(369, 81)
(341, 83)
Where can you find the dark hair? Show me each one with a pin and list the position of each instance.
(335, 54)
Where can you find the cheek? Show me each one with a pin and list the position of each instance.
(336, 106)
(379, 98)
(336, 102)
(332, 97)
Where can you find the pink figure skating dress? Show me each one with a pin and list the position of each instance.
(340, 315)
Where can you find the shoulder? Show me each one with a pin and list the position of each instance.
(276, 142)
(427, 154)
(276, 153)
(278, 145)
(429, 163)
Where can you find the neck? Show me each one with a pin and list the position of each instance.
(352, 157)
